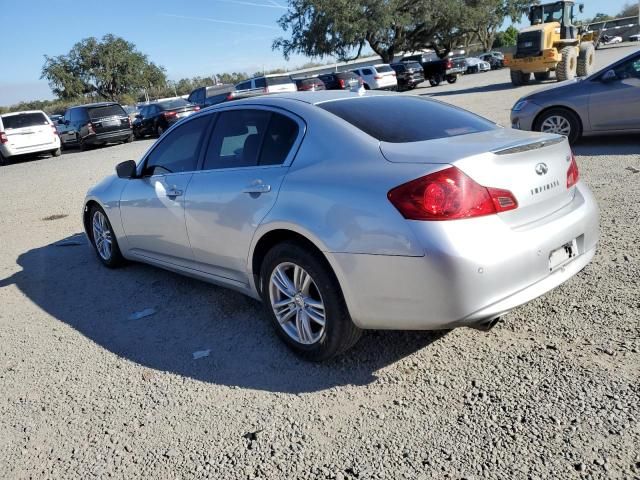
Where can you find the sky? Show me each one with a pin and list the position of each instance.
(188, 38)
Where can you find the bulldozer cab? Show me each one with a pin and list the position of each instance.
(560, 12)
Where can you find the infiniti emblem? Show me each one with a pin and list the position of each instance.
(542, 169)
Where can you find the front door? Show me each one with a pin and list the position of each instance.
(614, 104)
(152, 206)
(247, 157)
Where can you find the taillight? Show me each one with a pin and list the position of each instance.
(341, 82)
(449, 195)
(55, 130)
(449, 64)
(3, 138)
(169, 114)
(196, 108)
(378, 77)
(90, 128)
(573, 175)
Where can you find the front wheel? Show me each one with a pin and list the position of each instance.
(103, 239)
(560, 121)
(305, 304)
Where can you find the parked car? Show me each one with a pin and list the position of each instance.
(340, 80)
(54, 118)
(269, 84)
(607, 40)
(207, 96)
(378, 77)
(409, 74)
(27, 132)
(155, 118)
(635, 38)
(309, 84)
(495, 59)
(475, 65)
(95, 124)
(332, 237)
(606, 102)
(437, 69)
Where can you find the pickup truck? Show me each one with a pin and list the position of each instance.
(437, 69)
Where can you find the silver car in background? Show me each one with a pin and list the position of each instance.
(607, 102)
(344, 212)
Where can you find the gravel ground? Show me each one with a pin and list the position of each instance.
(551, 392)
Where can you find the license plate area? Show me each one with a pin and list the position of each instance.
(563, 255)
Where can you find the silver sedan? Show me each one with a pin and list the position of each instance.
(605, 103)
(344, 212)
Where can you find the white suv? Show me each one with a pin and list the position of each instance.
(27, 132)
(269, 84)
(378, 77)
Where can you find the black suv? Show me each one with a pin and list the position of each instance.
(95, 124)
(409, 74)
(207, 96)
(340, 80)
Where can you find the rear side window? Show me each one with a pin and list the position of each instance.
(279, 80)
(178, 151)
(78, 115)
(106, 111)
(23, 120)
(278, 140)
(236, 139)
(260, 83)
(243, 86)
(367, 71)
(404, 119)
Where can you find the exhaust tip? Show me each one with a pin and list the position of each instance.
(486, 325)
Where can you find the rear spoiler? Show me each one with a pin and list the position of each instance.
(528, 146)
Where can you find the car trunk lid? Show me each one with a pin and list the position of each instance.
(531, 166)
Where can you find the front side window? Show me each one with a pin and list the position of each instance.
(629, 69)
(178, 150)
(236, 139)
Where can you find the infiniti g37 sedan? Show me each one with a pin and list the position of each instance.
(344, 212)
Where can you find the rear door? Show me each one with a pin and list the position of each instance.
(27, 129)
(615, 104)
(152, 206)
(247, 157)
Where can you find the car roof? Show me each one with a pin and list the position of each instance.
(314, 98)
(97, 104)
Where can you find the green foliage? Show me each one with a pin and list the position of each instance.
(508, 38)
(629, 10)
(107, 68)
(342, 28)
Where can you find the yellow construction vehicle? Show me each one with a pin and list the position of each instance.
(551, 43)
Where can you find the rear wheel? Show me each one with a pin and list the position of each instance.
(3, 160)
(566, 68)
(586, 59)
(435, 81)
(129, 139)
(452, 78)
(560, 121)
(159, 130)
(519, 78)
(542, 76)
(83, 146)
(103, 239)
(305, 304)
(56, 153)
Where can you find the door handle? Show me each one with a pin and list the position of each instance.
(257, 188)
(173, 192)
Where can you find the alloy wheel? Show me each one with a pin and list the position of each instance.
(297, 303)
(556, 124)
(102, 236)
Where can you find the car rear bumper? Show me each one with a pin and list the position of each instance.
(106, 137)
(10, 151)
(473, 270)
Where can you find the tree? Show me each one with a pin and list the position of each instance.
(342, 28)
(488, 16)
(629, 10)
(107, 68)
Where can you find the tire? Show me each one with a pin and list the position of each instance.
(315, 342)
(159, 130)
(56, 153)
(452, 78)
(561, 117)
(83, 146)
(129, 139)
(435, 81)
(542, 76)
(586, 59)
(114, 257)
(366, 87)
(566, 68)
(519, 78)
(3, 160)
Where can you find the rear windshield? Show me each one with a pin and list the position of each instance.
(403, 119)
(279, 80)
(24, 120)
(177, 103)
(383, 68)
(106, 111)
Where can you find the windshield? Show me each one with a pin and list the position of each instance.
(547, 13)
(403, 119)
(24, 120)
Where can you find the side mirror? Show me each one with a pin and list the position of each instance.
(608, 76)
(126, 169)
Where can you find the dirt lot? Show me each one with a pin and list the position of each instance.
(551, 392)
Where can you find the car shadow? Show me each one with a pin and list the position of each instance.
(29, 157)
(66, 280)
(608, 145)
(494, 87)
